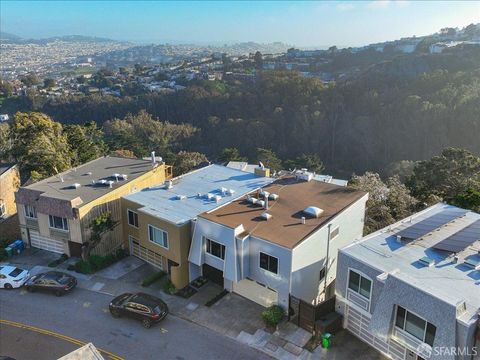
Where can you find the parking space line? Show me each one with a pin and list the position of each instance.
(57, 335)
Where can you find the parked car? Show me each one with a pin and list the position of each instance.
(52, 281)
(12, 276)
(146, 308)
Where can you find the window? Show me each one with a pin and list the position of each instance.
(158, 236)
(334, 233)
(30, 212)
(216, 249)
(132, 218)
(57, 222)
(269, 263)
(322, 274)
(415, 325)
(3, 210)
(359, 284)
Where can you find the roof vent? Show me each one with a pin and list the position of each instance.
(261, 203)
(427, 261)
(230, 192)
(218, 198)
(264, 194)
(180, 197)
(76, 186)
(210, 196)
(303, 220)
(313, 211)
(266, 216)
(102, 182)
(123, 177)
(110, 184)
(473, 262)
(169, 184)
(252, 200)
(223, 190)
(273, 197)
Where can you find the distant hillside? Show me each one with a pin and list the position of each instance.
(4, 36)
(12, 38)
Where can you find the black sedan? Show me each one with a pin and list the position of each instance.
(51, 281)
(146, 308)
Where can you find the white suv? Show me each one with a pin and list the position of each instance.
(12, 276)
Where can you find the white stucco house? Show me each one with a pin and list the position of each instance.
(272, 246)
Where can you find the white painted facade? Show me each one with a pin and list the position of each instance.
(298, 268)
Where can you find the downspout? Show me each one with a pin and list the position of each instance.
(326, 265)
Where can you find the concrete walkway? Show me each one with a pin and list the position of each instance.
(232, 316)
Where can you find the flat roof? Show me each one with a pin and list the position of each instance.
(285, 228)
(87, 175)
(161, 202)
(447, 280)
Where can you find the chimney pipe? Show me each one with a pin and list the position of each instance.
(303, 220)
(153, 158)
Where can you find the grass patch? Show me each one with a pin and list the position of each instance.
(97, 262)
(216, 298)
(150, 279)
(58, 261)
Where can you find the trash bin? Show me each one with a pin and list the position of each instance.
(326, 340)
(19, 245)
(9, 251)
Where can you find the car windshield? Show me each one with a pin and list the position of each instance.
(15, 272)
(63, 279)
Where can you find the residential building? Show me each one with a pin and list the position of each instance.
(55, 214)
(158, 220)
(272, 246)
(9, 184)
(412, 290)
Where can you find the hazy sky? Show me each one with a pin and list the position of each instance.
(346, 23)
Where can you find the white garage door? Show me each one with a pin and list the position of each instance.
(256, 292)
(45, 243)
(145, 254)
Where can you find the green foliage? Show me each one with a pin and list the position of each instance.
(387, 202)
(186, 161)
(273, 315)
(231, 154)
(30, 80)
(49, 83)
(97, 262)
(311, 162)
(102, 223)
(150, 279)
(169, 288)
(269, 159)
(86, 142)
(470, 199)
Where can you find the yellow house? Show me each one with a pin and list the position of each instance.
(9, 184)
(55, 214)
(159, 221)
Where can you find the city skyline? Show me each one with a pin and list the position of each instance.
(303, 24)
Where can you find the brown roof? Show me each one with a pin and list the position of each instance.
(285, 228)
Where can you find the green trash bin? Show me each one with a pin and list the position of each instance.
(326, 340)
(9, 251)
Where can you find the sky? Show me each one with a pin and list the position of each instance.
(298, 23)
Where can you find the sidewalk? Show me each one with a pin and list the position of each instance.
(232, 316)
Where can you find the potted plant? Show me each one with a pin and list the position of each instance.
(272, 317)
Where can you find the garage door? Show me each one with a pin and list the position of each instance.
(145, 254)
(45, 243)
(256, 292)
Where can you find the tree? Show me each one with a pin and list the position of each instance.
(469, 199)
(98, 226)
(446, 176)
(30, 80)
(49, 83)
(311, 162)
(6, 89)
(269, 159)
(258, 59)
(187, 161)
(231, 154)
(85, 141)
(39, 144)
(5, 142)
(387, 202)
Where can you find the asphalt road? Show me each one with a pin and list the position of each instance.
(58, 325)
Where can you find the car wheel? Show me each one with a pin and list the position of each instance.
(8, 286)
(58, 293)
(115, 313)
(146, 323)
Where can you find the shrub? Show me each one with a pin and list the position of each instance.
(98, 262)
(169, 288)
(273, 315)
(84, 267)
(150, 279)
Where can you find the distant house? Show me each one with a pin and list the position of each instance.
(279, 245)
(9, 184)
(55, 214)
(412, 289)
(159, 220)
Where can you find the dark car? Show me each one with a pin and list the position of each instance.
(146, 308)
(52, 281)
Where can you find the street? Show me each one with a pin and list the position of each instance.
(58, 325)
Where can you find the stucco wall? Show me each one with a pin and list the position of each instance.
(9, 184)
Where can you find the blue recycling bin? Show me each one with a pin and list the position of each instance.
(19, 244)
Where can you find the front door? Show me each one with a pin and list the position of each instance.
(212, 274)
